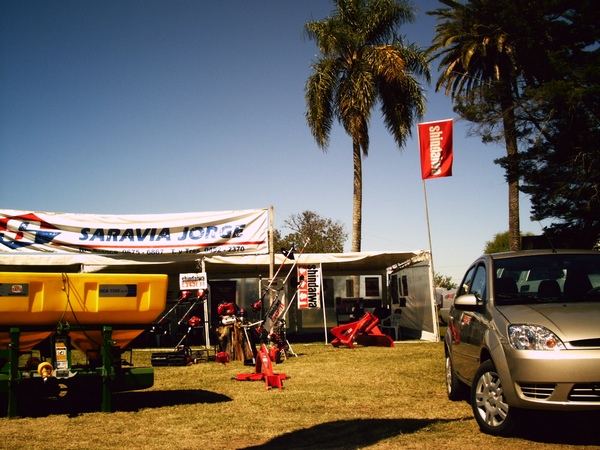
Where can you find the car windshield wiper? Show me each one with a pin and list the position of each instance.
(522, 298)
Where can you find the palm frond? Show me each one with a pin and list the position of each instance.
(319, 93)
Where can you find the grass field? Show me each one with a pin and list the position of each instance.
(334, 398)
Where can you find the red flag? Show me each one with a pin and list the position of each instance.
(435, 142)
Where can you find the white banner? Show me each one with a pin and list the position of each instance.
(224, 232)
(309, 286)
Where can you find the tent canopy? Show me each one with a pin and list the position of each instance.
(358, 263)
(216, 266)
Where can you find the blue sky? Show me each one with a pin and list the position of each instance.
(148, 106)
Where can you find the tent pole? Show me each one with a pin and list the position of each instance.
(206, 306)
(322, 287)
(271, 250)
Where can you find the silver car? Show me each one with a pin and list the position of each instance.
(524, 333)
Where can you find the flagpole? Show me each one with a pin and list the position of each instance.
(435, 148)
(436, 329)
(427, 219)
(426, 204)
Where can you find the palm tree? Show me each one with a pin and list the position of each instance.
(478, 63)
(363, 62)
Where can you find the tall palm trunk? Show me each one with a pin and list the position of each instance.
(357, 198)
(357, 209)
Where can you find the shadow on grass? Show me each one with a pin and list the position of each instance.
(121, 402)
(554, 427)
(136, 400)
(579, 428)
(344, 434)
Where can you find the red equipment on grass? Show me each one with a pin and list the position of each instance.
(363, 332)
(264, 371)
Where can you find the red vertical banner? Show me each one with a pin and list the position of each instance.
(309, 286)
(435, 145)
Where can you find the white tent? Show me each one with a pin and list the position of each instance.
(418, 307)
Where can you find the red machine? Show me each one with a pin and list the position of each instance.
(363, 332)
(264, 371)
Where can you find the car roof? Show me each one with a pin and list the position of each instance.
(520, 253)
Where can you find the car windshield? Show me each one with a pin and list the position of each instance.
(547, 278)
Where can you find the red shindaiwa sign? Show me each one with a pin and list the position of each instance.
(435, 145)
(309, 286)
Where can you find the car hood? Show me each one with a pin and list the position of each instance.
(570, 321)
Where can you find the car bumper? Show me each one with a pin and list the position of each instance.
(559, 380)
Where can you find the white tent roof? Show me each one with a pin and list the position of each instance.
(363, 263)
(216, 266)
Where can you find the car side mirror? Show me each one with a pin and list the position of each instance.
(467, 302)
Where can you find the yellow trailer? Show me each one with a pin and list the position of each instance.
(44, 301)
(99, 314)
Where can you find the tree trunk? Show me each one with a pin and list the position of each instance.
(357, 200)
(357, 210)
(514, 236)
(512, 175)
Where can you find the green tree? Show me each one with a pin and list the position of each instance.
(324, 235)
(479, 65)
(443, 281)
(561, 172)
(500, 243)
(528, 71)
(363, 62)
(561, 165)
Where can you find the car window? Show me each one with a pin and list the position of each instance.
(553, 277)
(467, 281)
(479, 283)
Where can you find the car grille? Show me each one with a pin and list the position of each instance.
(537, 391)
(586, 343)
(585, 393)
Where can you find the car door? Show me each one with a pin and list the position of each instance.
(470, 325)
(455, 323)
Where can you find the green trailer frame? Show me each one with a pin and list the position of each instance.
(106, 373)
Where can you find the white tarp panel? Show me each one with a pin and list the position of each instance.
(410, 289)
(135, 236)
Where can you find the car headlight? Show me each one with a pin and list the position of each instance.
(533, 337)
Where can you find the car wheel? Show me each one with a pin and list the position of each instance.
(454, 387)
(491, 411)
